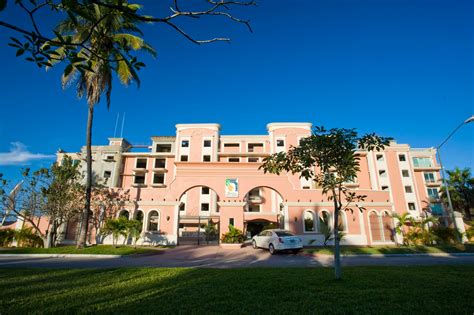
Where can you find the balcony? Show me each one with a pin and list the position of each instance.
(255, 199)
(435, 183)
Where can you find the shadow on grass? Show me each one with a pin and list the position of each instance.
(148, 290)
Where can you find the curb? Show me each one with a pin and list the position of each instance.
(60, 256)
(395, 255)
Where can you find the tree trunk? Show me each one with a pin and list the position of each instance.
(50, 235)
(85, 213)
(337, 249)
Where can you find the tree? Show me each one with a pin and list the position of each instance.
(461, 189)
(116, 228)
(95, 40)
(331, 159)
(134, 231)
(53, 193)
(105, 204)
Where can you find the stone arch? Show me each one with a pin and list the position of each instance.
(251, 198)
(193, 199)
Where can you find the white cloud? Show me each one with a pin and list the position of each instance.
(19, 155)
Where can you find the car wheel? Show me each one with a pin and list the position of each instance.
(296, 250)
(271, 249)
(254, 244)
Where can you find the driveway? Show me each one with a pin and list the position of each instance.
(216, 257)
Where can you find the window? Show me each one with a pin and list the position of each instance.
(280, 143)
(206, 158)
(139, 179)
(379, 157)
(408, 189)
(160, 163)
(231, 221)
(309, 221)
(254, 208)
(411, 206)
(207, 143)
(163, 148)
(422, 162)
(182, 206)
(109, 157)
(153, 221)
(234, 159)
(185, 143)
(433, 193)
(204, 207)
(385, 188)
(252, 160)
(139, 218)
(141, 163)
(107, 174)
(324, 221)
(405, 173)
(342, 221)
(429, 177)
(158, 178)
(306, 187)
(76, 162)
(124, 214)
(231, 145)
(205, 190)
(184, 158)
(252, 146)
(402, 157)
(383, 173)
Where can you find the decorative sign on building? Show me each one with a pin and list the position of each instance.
(232, 187)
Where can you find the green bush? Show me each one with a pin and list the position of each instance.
(234, 236)
(26, 238)
(444, 235)
(6, 237)
(470, 232)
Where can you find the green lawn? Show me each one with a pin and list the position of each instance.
(354, 250)
(402, 290)
(95, 250)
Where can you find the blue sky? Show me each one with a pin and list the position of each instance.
(401, 68)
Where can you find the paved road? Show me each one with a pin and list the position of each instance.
(215, 257)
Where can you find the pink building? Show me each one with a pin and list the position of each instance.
(184, 186)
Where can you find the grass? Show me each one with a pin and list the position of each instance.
(370, 250)
(94, 250)
(421, 289)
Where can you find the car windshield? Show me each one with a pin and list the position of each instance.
(283, 233)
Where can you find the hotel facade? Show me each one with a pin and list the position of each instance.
(185, 186)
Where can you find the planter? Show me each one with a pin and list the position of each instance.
(231, 245)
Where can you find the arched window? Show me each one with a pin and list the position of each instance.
(153, 221)
(375, 230)
(139, 217)
(324, 221)
(124, 214)
(387, 227)
(342, 221)
(309, 221)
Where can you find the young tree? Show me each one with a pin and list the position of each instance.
(461, 189)
(105, 204)
(116, 228)
(53, 193)
(134, 231)
(331, 159)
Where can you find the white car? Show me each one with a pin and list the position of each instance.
(276, 240)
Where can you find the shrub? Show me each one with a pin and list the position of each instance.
(234, 236)
(470, 231)
(26, 238)
(444, 235)
(6, 237)
(210, 231)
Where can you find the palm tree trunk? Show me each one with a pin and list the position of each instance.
(85, 213)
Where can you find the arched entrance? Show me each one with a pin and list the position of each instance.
(198, 218)
(263, 210)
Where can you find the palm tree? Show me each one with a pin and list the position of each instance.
(110, 37)
(461, 190)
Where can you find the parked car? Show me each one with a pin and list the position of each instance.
(277, 240)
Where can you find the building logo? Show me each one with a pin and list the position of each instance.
(232, 187)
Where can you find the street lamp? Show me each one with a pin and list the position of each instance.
(450, 204)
